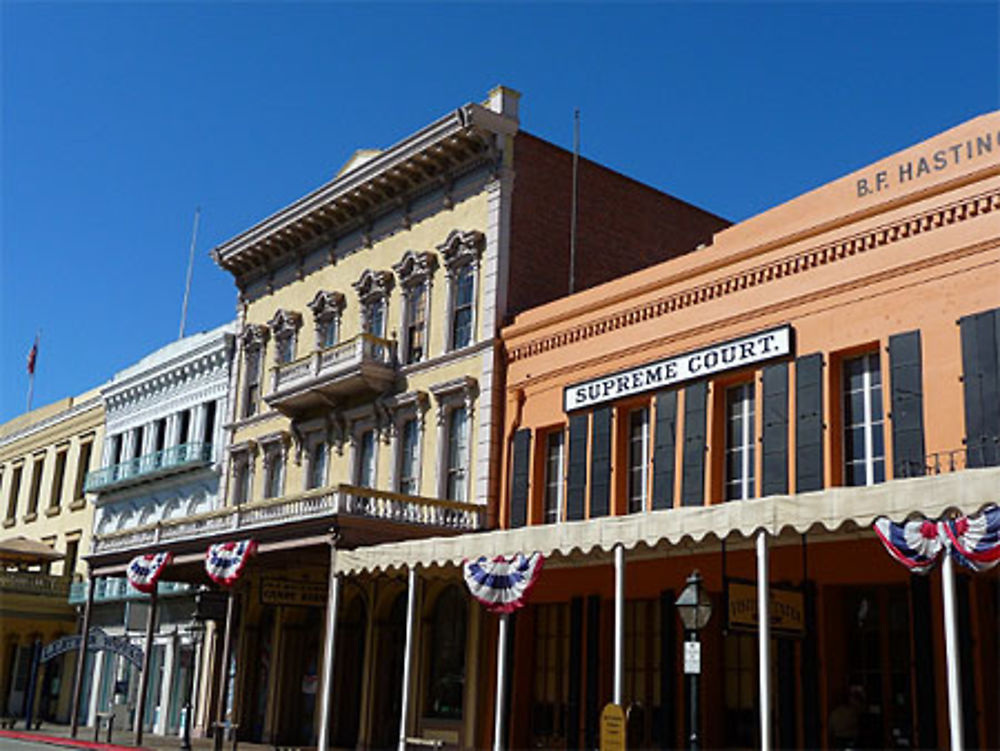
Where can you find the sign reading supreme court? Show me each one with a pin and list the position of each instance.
(730, 355)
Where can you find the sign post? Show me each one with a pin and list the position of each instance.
(613, 728)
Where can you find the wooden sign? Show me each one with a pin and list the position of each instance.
(786, 606)
(303, 594)
(613, 728)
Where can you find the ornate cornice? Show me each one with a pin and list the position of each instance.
(327, 305)
(373, 285)
(461, 248)
(254, 336)
(415, 267)
(284, 323)
(793, 264)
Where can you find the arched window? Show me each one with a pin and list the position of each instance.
(447, 657)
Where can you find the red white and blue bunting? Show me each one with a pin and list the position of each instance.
(501, 584)
(973, 541)
(225, 561)
(144, 570)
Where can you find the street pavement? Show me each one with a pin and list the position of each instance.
(55, 737)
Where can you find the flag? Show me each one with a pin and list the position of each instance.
(32, 356)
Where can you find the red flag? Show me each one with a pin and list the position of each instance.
(32, 356)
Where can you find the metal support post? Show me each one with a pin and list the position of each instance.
(81, 658)
(326, 684)
(764, 641)
(952, 665)
(411, 613)
(146, 661)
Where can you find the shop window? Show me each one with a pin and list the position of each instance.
(638, 459)
(740, 441)
(409, 457)
(446, 686)
(365, 473)
(316, 476)
(550, 690)
(643, 660)
(457, 451)
(864, 439)
(740, 690)
(555, 475)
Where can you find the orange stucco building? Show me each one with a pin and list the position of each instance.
(748, 410)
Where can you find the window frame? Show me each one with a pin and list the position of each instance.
(554, 509)
(869, 424)
(746, 392)
(462, 252)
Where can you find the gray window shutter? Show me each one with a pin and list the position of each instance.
(695, 416)
(576, 477)
(809, 423)
(907, 405)
(774, 441)
(600, 463)
(664, 449)
(519, 478)
(980, 366)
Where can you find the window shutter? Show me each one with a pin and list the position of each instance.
(519, 478)
(575, 672)
(576, 478)
(693, 480)
(600, 463)
(774, 446)
(907, 405)
(593, 708)
(980, 350)
(923, 644)
(809, 423)
(664, 449)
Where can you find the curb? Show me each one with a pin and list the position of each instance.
(55, 740)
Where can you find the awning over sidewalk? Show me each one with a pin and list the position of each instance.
(966, 492)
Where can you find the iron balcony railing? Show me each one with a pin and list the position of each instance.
(141, 467)
(34, 583)
(324, 502)
(983, 453)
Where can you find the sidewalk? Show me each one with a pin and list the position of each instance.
(122, 740)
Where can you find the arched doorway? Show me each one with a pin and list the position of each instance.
(390, 642)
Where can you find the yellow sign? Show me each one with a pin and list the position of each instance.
(786, 606)
(303, 594)
(613, 728)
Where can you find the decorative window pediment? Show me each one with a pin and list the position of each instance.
(415, 268)
(285, 323)
(254, 336)
(373, 285)
(462, 248)
(327, 305)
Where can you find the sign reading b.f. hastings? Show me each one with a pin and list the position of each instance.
(729, 355)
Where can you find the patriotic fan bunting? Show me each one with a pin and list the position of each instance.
(915, 544)
(973, 541)
(224, 562)
(144, 570)
(501, 584)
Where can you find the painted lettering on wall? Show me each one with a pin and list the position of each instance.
(978, 147)
(729, 355)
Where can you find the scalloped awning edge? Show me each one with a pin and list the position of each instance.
(966, 492)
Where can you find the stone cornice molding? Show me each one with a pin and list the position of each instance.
(461, 248)
(159, 406)
(94, 403)
(415, 267)
(373, 285)
(800, 262)
(468, 134)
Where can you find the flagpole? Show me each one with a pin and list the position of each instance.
(187, 284)
(32, 357)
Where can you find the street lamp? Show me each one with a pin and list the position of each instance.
(195, 629)
(694, 609)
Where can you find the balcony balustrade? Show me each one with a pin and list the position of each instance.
(34, 583)
(360, 365)
(111, 589)
(346, 500)
(158, 463)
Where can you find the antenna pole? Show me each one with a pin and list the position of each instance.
(187, 284)
(572, 211)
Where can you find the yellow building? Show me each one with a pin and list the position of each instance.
(45, 455)
(366, 407)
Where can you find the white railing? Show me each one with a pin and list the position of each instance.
(336, 360)
(366, 503)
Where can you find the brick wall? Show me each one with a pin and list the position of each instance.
(622, 225)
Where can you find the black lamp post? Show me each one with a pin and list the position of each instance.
(694, 609)
(195, 630)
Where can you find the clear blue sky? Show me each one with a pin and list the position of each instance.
(120, 119)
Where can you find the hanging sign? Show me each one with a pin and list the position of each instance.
(144, 570)
(785, 606)
(973, 541)
(501, 584)
(97, 641)
(612, 728)
(730, 355)
(276, 591)
(225, 561)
